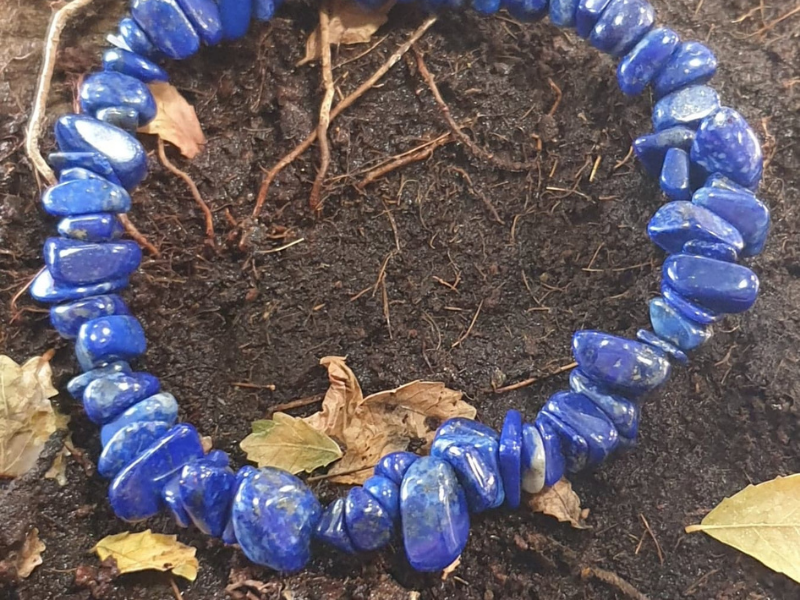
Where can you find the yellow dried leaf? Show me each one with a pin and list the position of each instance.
(762, 521)
(559, 501)
(20, 561)
(176, 120)
(290, 444)
(147, 550)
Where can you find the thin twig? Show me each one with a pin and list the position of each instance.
(280, 248)
(315, 200)
(175, 589)
(19, 292)
(532, 380)
(422, 152)
(465, 335)
(653, 535)
(559, 96)
(136, 235)
(613, 580)
(297, 403)
(332, 475)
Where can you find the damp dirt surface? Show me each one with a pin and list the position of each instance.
(528, 256)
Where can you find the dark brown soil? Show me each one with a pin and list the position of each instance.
(218, 317)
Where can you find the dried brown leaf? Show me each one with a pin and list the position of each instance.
(21, 562)
(559, 501)
(176, 120)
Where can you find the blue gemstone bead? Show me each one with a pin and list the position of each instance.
(486, 7)
(206, 492)
(135, 493)
(743, 210)
(433, 511)
(586, 418)
(135, 39)
(387, 493)
(235, 17)
(85, 196)
(527, 10)
(651, 149)
(92, 227)
(78, 384)
(159, 407)
(81, 133)
(264, 10)
(68, 318)
(716, 285)
(368, 524)
(622, 25)
(587, 15)
(130, 63)
(204, 16)
(534, 466)
(623, 413)
(274, 515)
(217, 458)
(687, 107)
(671, 325)
(574, 446)
(720, 182)
(76, 263)
(118, 337)
(104, 399)
(474, 458)
(128, 443)
(563, 12)
(648, 337)
(460, 426)
(119, 116)
(692, 64)
(641, 64)
(167, 26)
(394, 466)
(510, 457)
(619, 363)
(689, 309)
(94, 162)
(79, 173)
(331, 528)
(719, 251)
(676, 223)
(555, 462)
(246, 472)
(170, 494)
(726, 144)
(675, 179)
(111, 89)
(45, 289)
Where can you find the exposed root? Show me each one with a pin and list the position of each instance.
(614, 580)
(421, 152)
(137, 236)
(315, 200)
(532, 380)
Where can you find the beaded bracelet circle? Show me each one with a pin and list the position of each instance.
(708, 161)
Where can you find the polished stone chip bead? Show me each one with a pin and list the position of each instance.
(129, 63)
(720, 182)
(235, 16)
(675, 179)
(104, 399)
(670, 325)
(587, 15)
(460, 426)
(217, 458)
(554, 459)
(387, 493)
(623, 413)
(475, 461)
(368, 524)
(588, 420)
(716, 285)
(527, 10)
(78, 174)
(264, 10)
(204, 16)
(676, 223)
(687, 107)
(274, 515)
(206, 492)
(135, 493)
(573, 445)
(92, 227)
(118, 337)
(717, 250)
(171, 496)
(246, 472)
(167, 26)
(486, 7)
(135, 39)
(331, 528)
(119, 116)
(645, 60)
(510, 457)
(111, 89)
(651, 149)
(78, 384)
(158, 407)
(45, 289)
(648, 337)
(534, 464)
(128, 443)
(618, 363)
(65, 163)
(393, 466)
(563, 12)
(81, 133)
(726, 144)
(85, 196)
(622, 25)
(743, 210)
(78, 263)
(688, 309)
(434, 515)
(68, 318)
(691, 64)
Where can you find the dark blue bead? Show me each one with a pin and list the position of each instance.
(76, 263)
(81, 133)
(486, 7)
(692, 64)
(651, 149)
(167, 26)
(533, 459)
(743, 210)
(587, 16)
(68, 318)
(648, 337)
(675, 179)
(554, 461)
(274, 515)
(159, 407)
(217, 458)
(130, 63)
(510, 457)
(135, 493)
(204, 16)
(688, 309)
(459, 426)
(108, 339)
(619, 363)
(676, 223)
(85, 196)
(621, 26)
(104, 399)
(574, 446)
(387, 493)
(719, 251)
(641, 64)
(119, 116)
(135, 39)
(128, 443)
(687, 107)
(206, 493)
(720, 182)
(474, 458)
(394, 466)
(78, 384)
(171, 496)
(235, 16)
(79, 174)
(368, 524)
(45, 289)
(264, 10)
(111, 89)
(716, 285)
(246, 472)
(623, 413)
(433, 511)
(92, 227)
(586, 418)
(562, 12)
(527, 10)
(671, 325)
(94, 162)
(331, 528)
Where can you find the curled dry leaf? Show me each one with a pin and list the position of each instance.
(148, 550)
(20, 563)
(176, 120)
(560, 501)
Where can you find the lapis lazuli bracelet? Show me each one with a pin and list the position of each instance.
(708, 161)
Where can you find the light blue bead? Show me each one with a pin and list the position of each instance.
(510, 457)
(555, 461)
(718, 250)
(675, 179)
(671, 325)
(474, 458)
(716, 285)
(118, 337)
(130, 63)
(689, 309)
(92, 227)
(387, 492)
(687, 107)
(119, 116)
(171, 496)
(235, 16)
(459, 426)
(204, 16)
(80, 263)
(588, 421)
(393, 466)
(651, 149)
(105, 398)
(527, 10)
(574, 447)
(85, 196)
(167, 26)
(264, 10)
(135, 39)
(128, 443)
(587, 15)
(77, 384)
(206, 492)
(534, 465)
(111, 89)
(68, 318)
(676, 223)
(623, 413)
(331, 528)
(158, 407)
(645, 60)
(648, 337)
(622, 25)
(743, 210)
(94, 162)
(562, 12)
(691, 64)
(368, 524)
(45, 289)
